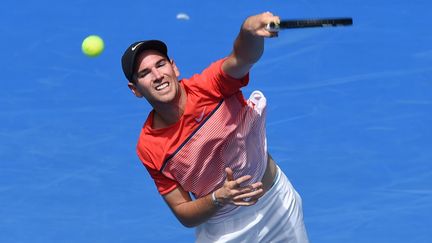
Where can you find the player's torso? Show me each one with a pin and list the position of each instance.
(230, 134)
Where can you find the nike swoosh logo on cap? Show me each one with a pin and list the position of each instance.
(135, 46)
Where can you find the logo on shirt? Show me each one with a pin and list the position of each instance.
(199, 119)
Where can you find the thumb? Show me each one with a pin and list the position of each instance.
(229, 174)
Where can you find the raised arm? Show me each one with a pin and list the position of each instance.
(249, 44)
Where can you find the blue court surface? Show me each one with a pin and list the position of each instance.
(349, 119)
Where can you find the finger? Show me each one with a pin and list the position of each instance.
(252, 187)
(237, 192)
(229, 174)
(245, 203)
(255, 190)
(276, 19)
(268, 14)
(255, 194)
(257, 197)
(243, 179)
(234, 190)
(272, 24)
(274, 34)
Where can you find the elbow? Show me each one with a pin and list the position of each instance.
(188, 223)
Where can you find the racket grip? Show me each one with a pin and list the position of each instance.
(272, 27)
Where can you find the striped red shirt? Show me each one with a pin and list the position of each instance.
(218, 129)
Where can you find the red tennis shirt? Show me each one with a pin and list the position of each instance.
(218, 129)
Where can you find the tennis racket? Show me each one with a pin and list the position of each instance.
(308, 23)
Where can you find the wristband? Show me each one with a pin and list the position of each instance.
(216, 202)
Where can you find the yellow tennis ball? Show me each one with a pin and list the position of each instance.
(92, 46)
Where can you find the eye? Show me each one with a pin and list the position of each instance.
(161, 63)
(143, 73)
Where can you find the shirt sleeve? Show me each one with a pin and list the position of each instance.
(215, 82)
(163, 184)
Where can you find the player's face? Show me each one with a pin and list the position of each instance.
(156, 78)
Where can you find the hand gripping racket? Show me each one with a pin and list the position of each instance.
(307, 23)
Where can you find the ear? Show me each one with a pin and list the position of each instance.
(134, 90)
(176, 70)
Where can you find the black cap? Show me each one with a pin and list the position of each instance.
(132, 52)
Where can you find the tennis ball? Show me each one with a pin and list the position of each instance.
(92, 46)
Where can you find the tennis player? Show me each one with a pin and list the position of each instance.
(205, 146)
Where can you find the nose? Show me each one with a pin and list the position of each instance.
(156, 73)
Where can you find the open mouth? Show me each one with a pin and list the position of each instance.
(162, 86)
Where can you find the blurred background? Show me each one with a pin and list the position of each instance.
(349, 119)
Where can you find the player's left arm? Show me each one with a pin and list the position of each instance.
(192, 213)
(249, 44)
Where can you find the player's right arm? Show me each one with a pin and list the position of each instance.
(249, 44)
(192, 213)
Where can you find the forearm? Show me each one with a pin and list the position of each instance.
(196, 212)
(248, 48)
(249, 44)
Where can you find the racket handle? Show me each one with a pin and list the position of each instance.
(272, 27)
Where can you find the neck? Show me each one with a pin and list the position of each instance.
(168, 114)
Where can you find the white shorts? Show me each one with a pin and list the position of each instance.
(276, 217)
